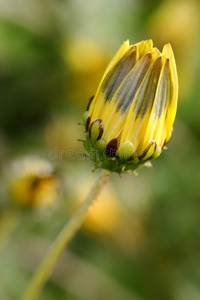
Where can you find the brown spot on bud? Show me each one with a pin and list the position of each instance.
(112, 147)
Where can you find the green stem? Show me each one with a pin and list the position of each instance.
(67, 233)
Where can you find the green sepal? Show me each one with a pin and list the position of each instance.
(98, 154)
(95, 131)
(85, 117)
(101, 146)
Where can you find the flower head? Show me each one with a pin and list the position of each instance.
(130, 118)
(33, 183)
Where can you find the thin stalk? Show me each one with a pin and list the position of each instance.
(67, 233)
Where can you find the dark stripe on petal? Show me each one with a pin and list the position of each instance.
(130, 85)
(148, 90)
(170, 87)
(118, 73)
(163, 91)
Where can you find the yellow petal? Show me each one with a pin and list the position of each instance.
(149, 151)
(140, 109)
(115, 116)
(144, 47)
(156, 127)
(112, 81)
(173, 77)
(121, 51)
(118, 55)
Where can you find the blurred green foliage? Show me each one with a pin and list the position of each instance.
(32, 78)
(152, 250)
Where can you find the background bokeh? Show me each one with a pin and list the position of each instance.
(141, 240)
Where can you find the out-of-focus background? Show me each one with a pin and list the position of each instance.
(141, 240)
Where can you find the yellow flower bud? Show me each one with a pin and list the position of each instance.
(134, 108)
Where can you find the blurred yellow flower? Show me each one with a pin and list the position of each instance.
(87, 61)
(180, 25)
(105, 214)
(61, 133)
(33, 183)
(130, 118)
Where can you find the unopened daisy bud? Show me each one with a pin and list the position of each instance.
(130, 118)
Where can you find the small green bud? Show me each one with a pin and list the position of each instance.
(101, 146)
(95, 131)
(125, 151)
